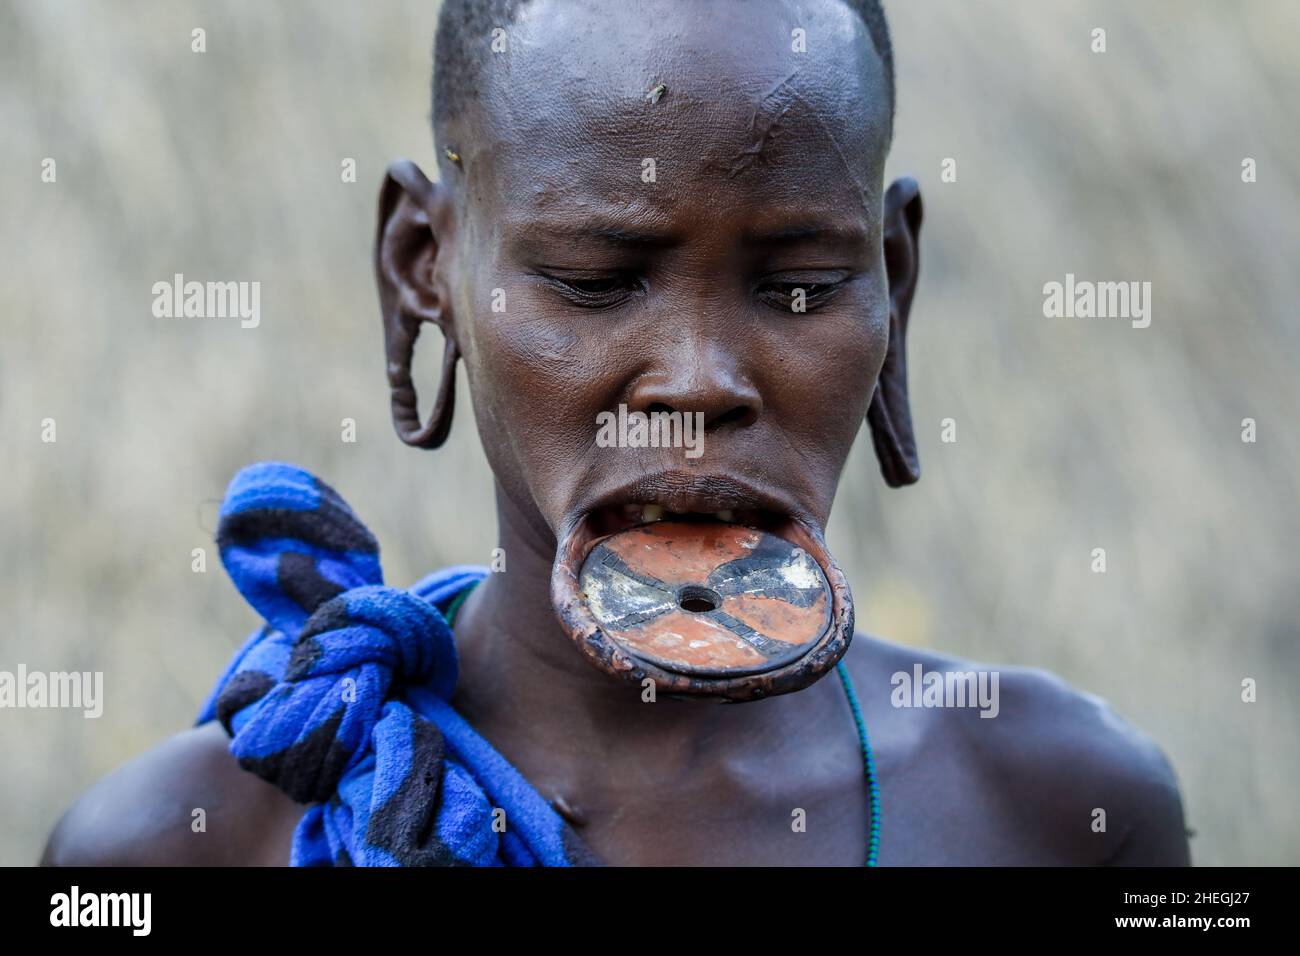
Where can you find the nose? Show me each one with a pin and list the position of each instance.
(698, 377)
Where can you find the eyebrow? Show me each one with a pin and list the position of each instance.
(607, 233)
(807, 232)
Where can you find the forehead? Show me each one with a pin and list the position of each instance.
(752, 114)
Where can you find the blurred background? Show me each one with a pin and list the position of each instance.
(1071, 434)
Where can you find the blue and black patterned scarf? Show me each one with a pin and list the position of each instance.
(342, 699)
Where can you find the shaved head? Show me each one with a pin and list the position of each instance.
(464, 43)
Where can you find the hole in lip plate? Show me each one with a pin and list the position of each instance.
(698, 600)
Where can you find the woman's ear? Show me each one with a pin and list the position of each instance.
(890, 415)
(413, 217)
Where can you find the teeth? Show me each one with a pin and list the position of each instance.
(645, 513)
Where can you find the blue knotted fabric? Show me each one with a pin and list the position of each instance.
(341, 700)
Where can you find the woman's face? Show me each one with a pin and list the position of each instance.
(617, 247)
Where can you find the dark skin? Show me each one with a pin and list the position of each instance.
(676, 294)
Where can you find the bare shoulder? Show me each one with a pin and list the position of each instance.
(148, 811)
(1061, 766)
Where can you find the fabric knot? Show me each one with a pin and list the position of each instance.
(373, 624)
(296, 551)
(342, 699)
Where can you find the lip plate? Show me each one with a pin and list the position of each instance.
(607, 656)
(771, 601)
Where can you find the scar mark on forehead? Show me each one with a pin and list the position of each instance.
(765, 126)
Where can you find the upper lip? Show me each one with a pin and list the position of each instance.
(688, 492)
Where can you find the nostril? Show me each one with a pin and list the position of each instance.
(741, 415)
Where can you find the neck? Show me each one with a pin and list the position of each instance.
(523, 682)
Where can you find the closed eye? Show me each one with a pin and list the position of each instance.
(796, 295)
(595, 291)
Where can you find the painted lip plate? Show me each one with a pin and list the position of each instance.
(706, 598)
(609, 656)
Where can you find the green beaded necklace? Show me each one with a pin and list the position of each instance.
(868, 759)
(868, 763)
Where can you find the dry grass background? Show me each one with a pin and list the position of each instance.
(1071, 435)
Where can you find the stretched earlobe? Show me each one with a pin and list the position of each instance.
(408, 238)
(405, 411)
(890, 415)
